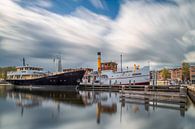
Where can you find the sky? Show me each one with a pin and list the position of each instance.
(161, 32)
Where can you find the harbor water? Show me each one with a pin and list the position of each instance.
(88, 110)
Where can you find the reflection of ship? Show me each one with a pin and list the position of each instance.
(108, 75)
(28, 75)
(30, 99)
(105, 108)
(66, 97)
(24, 100)
(104, 102)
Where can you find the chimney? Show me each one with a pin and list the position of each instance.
(99, 62)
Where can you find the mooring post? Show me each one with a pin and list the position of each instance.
(146, 88)
(183, 93)
(123, 97)
(93, 84)
(146, 99)
(122, 89)
(110, 83)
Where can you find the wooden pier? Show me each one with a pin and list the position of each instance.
(191, 92)
(117, 88)
(171, 97)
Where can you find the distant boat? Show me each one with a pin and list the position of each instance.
(29, 75)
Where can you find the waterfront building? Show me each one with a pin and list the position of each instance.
(176, 74)
(159, 75)
(192, 74)
(109, 66)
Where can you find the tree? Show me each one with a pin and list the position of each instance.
(4, 70)
(185, 71)
(165, 74)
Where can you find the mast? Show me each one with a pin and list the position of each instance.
(99, 63)
(59, 64)
(121, 63)
(23, 60)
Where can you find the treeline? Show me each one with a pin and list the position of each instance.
(4, 70)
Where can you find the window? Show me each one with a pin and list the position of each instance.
(135, 74)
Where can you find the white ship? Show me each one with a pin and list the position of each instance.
(108, 75)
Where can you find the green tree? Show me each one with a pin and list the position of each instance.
(4, 70)
(165, 74)
(185, 71)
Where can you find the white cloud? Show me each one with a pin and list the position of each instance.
(162, 33)
(151, 31)
(44, 3)
(97, 3)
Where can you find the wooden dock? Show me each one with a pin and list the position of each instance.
(191, 92)
(171, 97)
(117, 88)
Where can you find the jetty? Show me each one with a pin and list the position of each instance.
(169, 97)
(191, 92)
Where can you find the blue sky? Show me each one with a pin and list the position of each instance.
(159, 31)
(108, 8)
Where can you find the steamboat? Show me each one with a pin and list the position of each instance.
(108, 74)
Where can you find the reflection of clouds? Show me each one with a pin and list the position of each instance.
(75, 117)
(191, 112)
(46, 116)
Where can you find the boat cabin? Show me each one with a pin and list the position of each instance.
(26, 72)
(25, 68)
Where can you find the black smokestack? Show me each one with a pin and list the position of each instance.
(24, 64)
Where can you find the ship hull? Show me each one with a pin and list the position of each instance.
(66, 78)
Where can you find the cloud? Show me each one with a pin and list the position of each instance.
(36, 32)
(142, 31)
(39, 3)
(152, 31)
(98, 4)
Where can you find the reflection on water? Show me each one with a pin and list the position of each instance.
(89, 109)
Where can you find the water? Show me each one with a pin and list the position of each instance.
(87, 110)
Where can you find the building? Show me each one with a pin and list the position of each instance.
(159, 75)
(176, 74)
(109, 66)
(192, 74)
